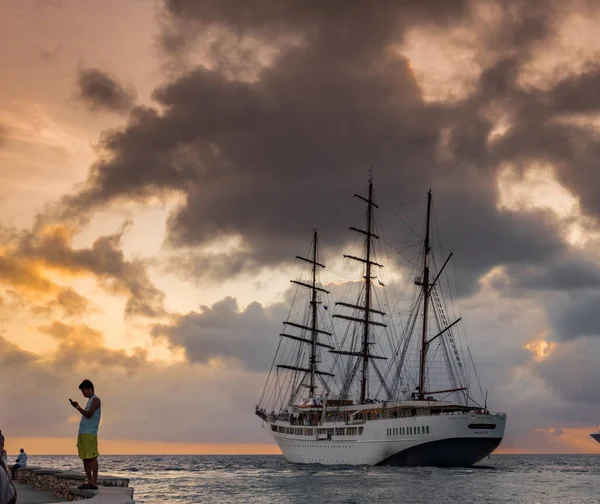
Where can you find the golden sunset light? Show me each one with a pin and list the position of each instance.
(252, 221)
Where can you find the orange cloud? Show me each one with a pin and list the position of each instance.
(540, 348)
(83, 344)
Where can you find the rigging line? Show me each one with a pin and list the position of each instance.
(404, 346)
(409, 202)
(447, 341)
(411, 263)
(406, 223)
(270, 371)
(398, 345)
(475, 370)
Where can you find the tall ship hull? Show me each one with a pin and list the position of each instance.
(451, 439)
(596, 436)
(364, 387)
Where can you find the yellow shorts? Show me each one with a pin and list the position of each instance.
(87, 446)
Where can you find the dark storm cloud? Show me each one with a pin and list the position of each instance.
(576, 316)
(270, 159)
(101, 91)
(355, 27)
(566, 273)
(223, 331)
(571, 371)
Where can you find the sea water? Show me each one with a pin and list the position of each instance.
(215, 479)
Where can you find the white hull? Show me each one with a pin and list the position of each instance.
(453, 439)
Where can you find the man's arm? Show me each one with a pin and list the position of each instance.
(93, 407)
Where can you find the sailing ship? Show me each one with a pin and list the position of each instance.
(348, 394)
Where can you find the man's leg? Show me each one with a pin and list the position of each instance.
(94, 468)
(87, 466)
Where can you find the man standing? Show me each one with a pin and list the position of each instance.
(21, 462)
(87, 439)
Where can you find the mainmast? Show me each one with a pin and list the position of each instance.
(425, 286)
(366, 308)
(314, 342)
(313, 304)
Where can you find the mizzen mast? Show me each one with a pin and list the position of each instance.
(425, 286)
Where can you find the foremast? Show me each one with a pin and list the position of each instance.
(365, 308)
(312, 370)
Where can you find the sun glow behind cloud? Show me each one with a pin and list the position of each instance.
(536, 189)
(541, 348)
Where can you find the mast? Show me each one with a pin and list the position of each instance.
(365, 342)
(312, 370)
(313, 303)
(425, 286)
(366, 308)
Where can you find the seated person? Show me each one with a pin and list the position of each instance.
(21, 462)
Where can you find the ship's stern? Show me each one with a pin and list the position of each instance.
(463, 441)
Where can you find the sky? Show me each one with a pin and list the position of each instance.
(163, 162)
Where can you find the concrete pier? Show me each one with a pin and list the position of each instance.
(27, 495)
(43, 485)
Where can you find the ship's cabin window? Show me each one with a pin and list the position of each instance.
(274, 428)
(360, 430)
(410, 430)
(427, 429)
